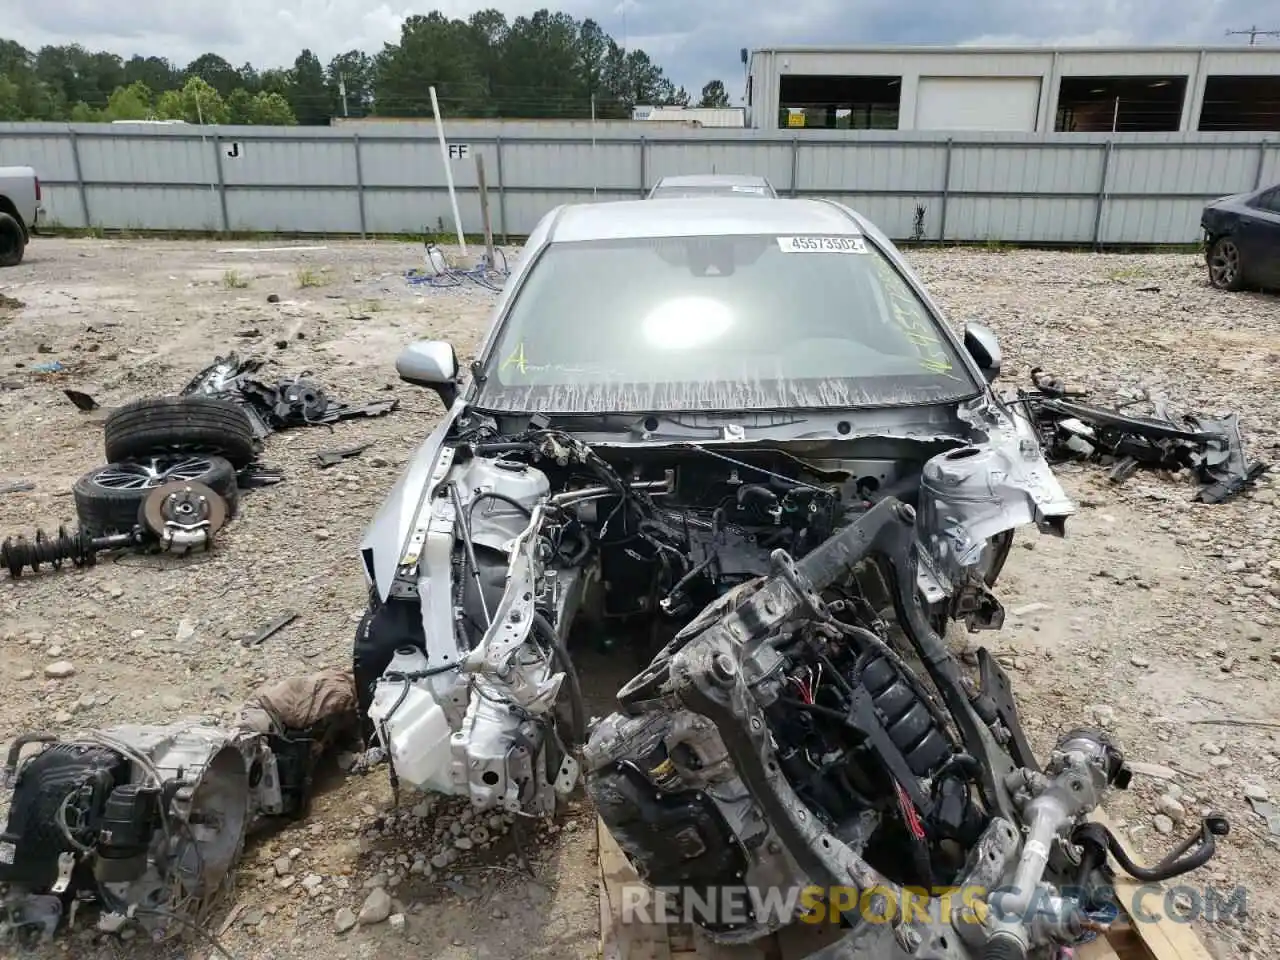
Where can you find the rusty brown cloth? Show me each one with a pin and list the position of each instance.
(321, 706)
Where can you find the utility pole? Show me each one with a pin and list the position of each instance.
(342, 89)
(1253, 33)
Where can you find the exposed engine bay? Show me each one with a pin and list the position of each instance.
(147, 823)
(802, 723)
(521, 538)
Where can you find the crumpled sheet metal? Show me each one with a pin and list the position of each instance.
(1212, 448)
(288, 403)
(971, 494)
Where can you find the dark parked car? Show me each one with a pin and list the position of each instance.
(1242, 239)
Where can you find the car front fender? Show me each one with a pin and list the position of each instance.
(387, 537)
(974, 493)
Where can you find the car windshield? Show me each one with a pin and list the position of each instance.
(710, 190)
(717, 323)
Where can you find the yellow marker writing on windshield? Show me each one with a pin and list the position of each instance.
(942, 366)
(516, 359)
(913, 325)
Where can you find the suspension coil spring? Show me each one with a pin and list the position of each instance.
(18, 553)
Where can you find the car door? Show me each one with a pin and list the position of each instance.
(1260, 238)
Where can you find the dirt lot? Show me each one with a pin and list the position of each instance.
(1156, 617)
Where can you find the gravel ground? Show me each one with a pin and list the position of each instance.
(1156, 617)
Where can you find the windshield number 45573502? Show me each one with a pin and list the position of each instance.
(822, 245)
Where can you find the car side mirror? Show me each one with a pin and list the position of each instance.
(432, 364)
(984, 347)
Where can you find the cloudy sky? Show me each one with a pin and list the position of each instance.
(694, 41)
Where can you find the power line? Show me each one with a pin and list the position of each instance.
(1253, 33)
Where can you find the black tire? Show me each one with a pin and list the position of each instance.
(1226, 269)
(13, 240)
(157, 425)
(109, 499)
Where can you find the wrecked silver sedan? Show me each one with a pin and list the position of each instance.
(743, 427)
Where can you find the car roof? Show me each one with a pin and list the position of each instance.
(713, 180)
(699, 217)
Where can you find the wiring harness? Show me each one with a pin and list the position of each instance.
(441, 273)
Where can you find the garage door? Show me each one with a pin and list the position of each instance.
(978, 103)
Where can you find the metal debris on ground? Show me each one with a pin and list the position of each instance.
(287, 403)
(270, 630)
(210, 434)
(1268, 812)
(82, 400)
(257, 475)
(19, 486)
(121, 817)
(1211, 448)
(331, 458)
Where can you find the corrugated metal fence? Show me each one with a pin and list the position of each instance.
(384, 178)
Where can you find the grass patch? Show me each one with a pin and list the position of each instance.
(310, 278)
(233, 281)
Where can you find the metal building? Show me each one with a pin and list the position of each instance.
(1015, 89)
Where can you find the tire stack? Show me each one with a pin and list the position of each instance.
(158, 440)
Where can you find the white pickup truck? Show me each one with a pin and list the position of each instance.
(19, 211)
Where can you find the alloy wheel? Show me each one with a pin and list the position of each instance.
(1224, 264)
(148, 474)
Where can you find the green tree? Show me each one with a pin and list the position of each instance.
(67, 71)
(267, 109)
(714, 95)
(196, 102)
(107, 73)
(23, 95)
(156, 72)
(545, 64)
(592, 53)
(133, 102)
(215, 71)
(10, 101)
(353, 72)
(14, 58)
(632, 78)
(274, 80)
(541, 60)
(240, 107)
(83, 113)
(308, 90)
(248, 79)
(271, 109)
(433, 51)
(489, 34)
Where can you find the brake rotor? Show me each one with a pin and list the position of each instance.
(183, 514)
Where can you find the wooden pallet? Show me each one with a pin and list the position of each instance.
(1162, 940)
